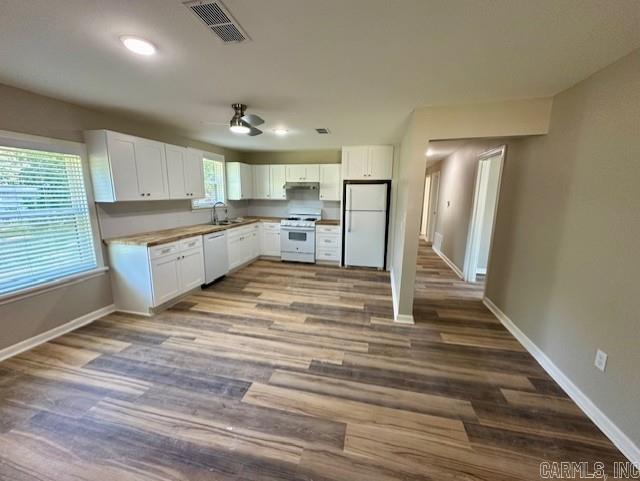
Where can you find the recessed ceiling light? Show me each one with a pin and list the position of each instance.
(138, 45)
(280, 131)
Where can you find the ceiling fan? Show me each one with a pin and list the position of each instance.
(242, 123)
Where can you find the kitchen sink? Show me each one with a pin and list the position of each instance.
(229, 222)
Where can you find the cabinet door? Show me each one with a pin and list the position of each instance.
(194, 174)
(165, 279)
(191, 269)
(234, 248)
(277, 181)
(330, 182)
(380, 165)
(151, 166)
(355, 162)
(175, 157)
(246, 181)
(312, 173)
(296, 173)
(233, 181)
(255, 243)
(271, 243)
(122, 156)
(261, 182)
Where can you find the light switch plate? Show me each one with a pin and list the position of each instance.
(601, 360)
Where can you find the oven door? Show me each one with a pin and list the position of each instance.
(298, 240)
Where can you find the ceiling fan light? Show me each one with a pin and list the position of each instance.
(237, 127)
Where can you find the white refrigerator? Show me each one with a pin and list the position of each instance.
(365, 224)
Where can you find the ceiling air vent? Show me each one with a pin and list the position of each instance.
(218, 19)
(323, 131)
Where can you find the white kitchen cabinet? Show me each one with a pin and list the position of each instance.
(303, 173)
(367, 162)
(184, 172)
(243, 244)
(125, 168)
(277, 181)
(239, 181)
(354, 162)
(261, 182)
(270, 239)
(329, 182)
(380, 162)
(194, 173)
(143, 278)
(255, 241)
(328, 243)
(165, 280)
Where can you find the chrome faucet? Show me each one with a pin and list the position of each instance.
(214, 214)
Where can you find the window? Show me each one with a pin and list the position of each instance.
(213, 182)
(45, 227)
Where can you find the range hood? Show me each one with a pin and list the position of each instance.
(302, 185)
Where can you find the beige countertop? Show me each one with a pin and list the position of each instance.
(165, 236)
(328, 222)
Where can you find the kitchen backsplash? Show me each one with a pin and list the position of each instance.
(126, 218)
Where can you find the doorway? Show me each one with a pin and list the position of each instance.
(485, 203)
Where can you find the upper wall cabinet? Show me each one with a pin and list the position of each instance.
(124, 167)
(277, 178)
(367, 162)
(184, 172)
(329, 182)
(239, 181)
(261, 182)
(303, 173)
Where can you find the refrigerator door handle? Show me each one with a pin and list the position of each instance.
(350, 220)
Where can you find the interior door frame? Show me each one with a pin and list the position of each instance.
(434, 193)
(426, 207)
(473, 235)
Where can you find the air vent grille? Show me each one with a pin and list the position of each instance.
(228, 33)
(323, 131)
(215, 16)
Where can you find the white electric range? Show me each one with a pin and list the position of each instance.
(298, 236)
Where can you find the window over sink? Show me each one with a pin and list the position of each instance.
(214, 181)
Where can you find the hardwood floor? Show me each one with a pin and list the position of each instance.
(292, 372)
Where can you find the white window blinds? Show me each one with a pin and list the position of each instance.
(213, 184)
(45, 228)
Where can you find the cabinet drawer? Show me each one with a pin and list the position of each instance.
(330, 242)
(271, 226)
(163, 250)
(328, 229)
(327, 255)
(191, 242)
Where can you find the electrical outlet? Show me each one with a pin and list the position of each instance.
(601, 360)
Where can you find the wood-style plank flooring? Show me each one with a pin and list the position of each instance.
(292, 372)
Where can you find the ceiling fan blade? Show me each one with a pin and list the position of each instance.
(254, 132)
(253, 119)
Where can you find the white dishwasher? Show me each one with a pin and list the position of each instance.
(216, 260)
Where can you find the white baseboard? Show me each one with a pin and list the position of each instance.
(600, 419)
(449, 262)
(404, 319)
(34, 341)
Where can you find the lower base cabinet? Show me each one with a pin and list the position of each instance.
(328, 243)
(243, 245)
(146, 277)
(270, 239)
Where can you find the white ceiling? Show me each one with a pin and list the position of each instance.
(357, 67)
